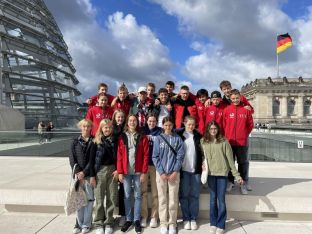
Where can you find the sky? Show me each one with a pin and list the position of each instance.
(194, 42)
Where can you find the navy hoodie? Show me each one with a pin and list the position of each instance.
(151, 135)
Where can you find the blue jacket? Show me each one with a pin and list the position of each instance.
(164, 159)
(153, 133)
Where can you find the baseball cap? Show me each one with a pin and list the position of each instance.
(142, 89)
(215, 94)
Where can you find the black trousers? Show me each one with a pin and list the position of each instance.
(240, 153)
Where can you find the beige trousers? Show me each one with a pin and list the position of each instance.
(150, 176)
(168, 197)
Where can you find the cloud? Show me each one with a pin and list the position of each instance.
(235, 40)
(121, 51)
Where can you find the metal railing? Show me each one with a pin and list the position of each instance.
(264, 144)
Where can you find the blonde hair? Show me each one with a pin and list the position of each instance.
(84, 121)
(117, 112)
(189, 117)
(99, 133)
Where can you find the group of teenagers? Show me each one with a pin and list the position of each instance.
(164, 140)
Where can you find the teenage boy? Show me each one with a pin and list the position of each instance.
(238, 123)
(102, 88)
(150, 89)
(183, 106)
(214, 112)
(226, 88)
(141, 106)
(101, 111)
(122, 101)
(201, 98)
(163, 106)
(170, 87)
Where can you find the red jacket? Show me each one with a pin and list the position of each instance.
(178, 114)
(96, 114)
(201, 113)
(141, 155)
(94, 100)
(124, 105)
(237, 123)
(215, 113)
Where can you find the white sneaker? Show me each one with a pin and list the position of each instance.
(85, 230)
(99, 231)
(108, 229)
(243, 190)
(194, 225)
(229, 187)
(76, 230)
(187, 225)
(163, 230)
(122, 221)
(172, 229)
(153, 223)
(212, 229)
(144, 222)
(219, 231)
(249, 188)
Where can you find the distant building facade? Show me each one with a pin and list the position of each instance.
(37, 77)
(280, 101)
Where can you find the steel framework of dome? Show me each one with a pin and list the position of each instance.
(36, 73)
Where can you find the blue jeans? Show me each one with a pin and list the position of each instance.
(217, 185)
(189, 195)
(84, 214)
(129, 182)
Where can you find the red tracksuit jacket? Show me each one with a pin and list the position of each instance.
(96, 114)
(215, 113)
(201, 112)
(237, 124)
(141, 155)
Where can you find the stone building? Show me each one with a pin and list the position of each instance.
(280, 101)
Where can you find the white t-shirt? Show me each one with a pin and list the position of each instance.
(189, 162)
(162, 114)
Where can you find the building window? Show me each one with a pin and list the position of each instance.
(276, 107)
(307, 108)
(291, 107)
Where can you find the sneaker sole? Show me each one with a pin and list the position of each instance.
(127, 229)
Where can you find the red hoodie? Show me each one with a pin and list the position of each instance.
(201, 112)
(124, 105)
(94, 100)
(141, 155)
(237, 124)
(96, 114)
(215, 113)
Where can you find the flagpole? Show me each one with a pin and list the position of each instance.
(277, 62)
(277, 65)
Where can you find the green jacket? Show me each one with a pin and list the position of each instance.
(219, 157)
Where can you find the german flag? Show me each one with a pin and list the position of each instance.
(284, 41)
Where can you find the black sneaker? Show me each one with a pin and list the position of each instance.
(137, 226)
(126, 226)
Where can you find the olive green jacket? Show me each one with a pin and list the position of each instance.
(219, 157)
